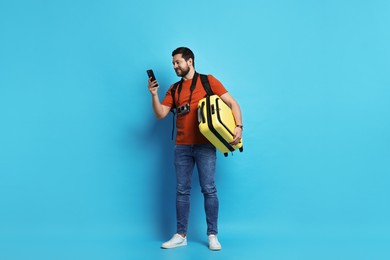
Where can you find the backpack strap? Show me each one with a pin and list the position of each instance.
(206, 85)
(173, 108)
(173, 91)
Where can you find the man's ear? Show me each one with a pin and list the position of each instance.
(191, 61)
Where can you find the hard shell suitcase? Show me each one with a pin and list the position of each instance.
(216, 123)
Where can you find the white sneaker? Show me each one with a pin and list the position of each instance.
(214, 243)
(176, 240)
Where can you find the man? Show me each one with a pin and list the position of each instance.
(191, 146)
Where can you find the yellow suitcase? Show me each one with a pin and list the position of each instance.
(216, 123)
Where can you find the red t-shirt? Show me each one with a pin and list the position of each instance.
(187, 125)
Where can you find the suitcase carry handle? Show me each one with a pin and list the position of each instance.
(201, 117)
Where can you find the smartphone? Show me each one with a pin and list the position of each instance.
(151, 75)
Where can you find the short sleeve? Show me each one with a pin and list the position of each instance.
(216, 86)
(168, 101)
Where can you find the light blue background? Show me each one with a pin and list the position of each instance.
(86, 171)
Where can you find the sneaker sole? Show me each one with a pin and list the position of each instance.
(173, 246)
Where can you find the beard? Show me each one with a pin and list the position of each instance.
(182, 72)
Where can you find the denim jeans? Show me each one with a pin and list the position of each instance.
(204, 156)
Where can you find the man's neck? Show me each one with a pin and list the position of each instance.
(189, 75)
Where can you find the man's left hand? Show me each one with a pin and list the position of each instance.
(237, 136)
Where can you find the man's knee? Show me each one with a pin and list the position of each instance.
(183, 190)
(209, 190)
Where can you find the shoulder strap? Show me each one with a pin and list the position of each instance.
(173, 108)
(173, 91)
(206, 84)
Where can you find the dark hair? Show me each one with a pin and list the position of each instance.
(186, 53)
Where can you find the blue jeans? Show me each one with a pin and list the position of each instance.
(204, 156)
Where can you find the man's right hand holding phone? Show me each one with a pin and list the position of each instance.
(152, 82)
(160, 110)
(153, 86)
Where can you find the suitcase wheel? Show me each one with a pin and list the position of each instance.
(241, 149)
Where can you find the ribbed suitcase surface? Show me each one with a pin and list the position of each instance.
(216, 123)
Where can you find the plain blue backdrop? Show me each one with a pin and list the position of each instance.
(86, 171)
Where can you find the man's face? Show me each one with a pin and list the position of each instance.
(180, 65)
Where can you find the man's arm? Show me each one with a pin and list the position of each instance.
(159, 109)
(232, 103)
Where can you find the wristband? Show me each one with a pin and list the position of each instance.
(240, 126)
